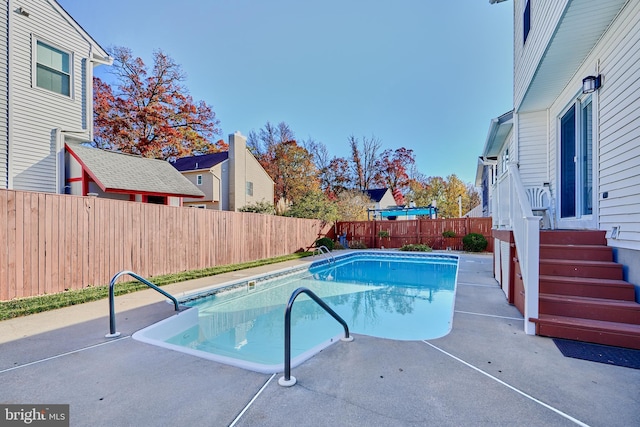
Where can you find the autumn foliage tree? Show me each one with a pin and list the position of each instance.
(150, 113)
(288, 164)
(392, 171)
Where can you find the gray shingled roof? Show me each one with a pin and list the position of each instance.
(124, 172)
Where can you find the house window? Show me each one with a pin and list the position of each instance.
(504, 161)
(157, 200)
(526, 21)
(199, 179)
(249, 188)
(53, 69)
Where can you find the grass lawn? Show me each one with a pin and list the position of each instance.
(26, 306)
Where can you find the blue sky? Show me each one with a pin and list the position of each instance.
(422, 74)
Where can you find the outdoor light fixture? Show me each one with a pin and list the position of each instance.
(591, 83)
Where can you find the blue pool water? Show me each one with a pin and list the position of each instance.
(381, 294)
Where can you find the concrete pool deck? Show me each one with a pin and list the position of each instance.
(486, 371)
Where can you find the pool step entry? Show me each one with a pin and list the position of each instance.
(112, 310)
(583, 296)
(288, 380)
(325, 251)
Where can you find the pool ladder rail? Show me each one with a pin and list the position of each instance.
(325, 251)
(288, 380)
(112, 310)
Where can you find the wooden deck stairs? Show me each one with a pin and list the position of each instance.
(583, 295)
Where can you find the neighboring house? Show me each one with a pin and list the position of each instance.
(107, 174)
(230, 180)
(574, 132)
(495, 156)
(46, 63)
(381, 198)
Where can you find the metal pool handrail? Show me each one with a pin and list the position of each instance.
(112, 310)
(287, 380)
(325, 251)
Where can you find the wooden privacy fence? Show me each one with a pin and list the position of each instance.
(50, 243)
(422, 231)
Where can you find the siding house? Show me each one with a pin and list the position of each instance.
(574, 138)
(229, 180)
(46, 70)
(107, 174)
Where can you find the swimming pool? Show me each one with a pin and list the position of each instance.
(394, 295)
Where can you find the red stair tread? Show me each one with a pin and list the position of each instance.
(592, 300)
(600, 325)
(581, 262)
(580, 280)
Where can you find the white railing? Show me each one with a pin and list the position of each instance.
(501, 202)
(512, 210)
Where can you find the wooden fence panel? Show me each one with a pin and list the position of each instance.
(51, 242)
(418, 231)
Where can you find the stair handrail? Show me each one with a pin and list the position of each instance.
(112, 310)
(325, 251)
(526, 233)
(287, 380)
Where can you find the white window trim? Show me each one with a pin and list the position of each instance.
(34, 67)
(199, 179)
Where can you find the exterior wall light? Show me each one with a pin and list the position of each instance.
(591, 83)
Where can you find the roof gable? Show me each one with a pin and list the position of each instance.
(99, 54)
(376, 194)
(125, 173)
(205, 161)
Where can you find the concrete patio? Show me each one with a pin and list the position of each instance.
(485, 372)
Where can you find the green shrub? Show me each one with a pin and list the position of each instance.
(325, 241)
(416, 248)
(448, 233)
(383, 233)
(357, 245)
(262, 207)
(474, 242)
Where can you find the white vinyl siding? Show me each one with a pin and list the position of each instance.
(35, 112)
(532, 149)
(527, 56)
(616, 115)
(4, 96)
(619, 129)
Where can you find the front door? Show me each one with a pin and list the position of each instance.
(576, 162)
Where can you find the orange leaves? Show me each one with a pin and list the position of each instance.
(151, 115)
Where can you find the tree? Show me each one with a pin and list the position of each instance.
(315, 205)
(455, 191)
(333, 172)
(353, 205)
(392, 171)
(287, 163)
(151, 114)
(363, 161)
